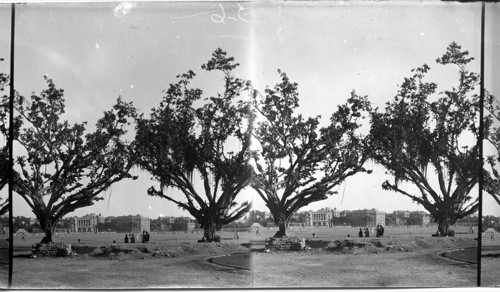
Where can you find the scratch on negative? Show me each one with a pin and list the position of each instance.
(193, 15)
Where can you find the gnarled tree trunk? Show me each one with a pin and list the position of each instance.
(48, 226)
(281, 221)
(444, 225)
(210, 231)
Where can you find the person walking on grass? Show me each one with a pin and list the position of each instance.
(132, 238)
(492, 236)
(126, 238)
(23, 238)
(360, 232)
(257, 232)
(367, 232)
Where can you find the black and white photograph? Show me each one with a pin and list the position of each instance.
(249, 144)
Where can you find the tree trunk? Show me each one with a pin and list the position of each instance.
(48, 227)
(444, 224)
(282, 231)
(210, 230)
(49, 231)
(282, 223)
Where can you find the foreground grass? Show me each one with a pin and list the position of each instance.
(167, 265)
(65, 273)
(415, 269)
(415, 266)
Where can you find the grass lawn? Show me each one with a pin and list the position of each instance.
(420, 267)
(4, 261)
(490, 262)
(183, 262)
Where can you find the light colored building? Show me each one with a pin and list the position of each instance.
(322, 217)
(100, 219)
(87, 223)
(336, 213)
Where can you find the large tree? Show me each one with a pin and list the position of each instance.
(61, 168)
(4, 150)
(421, 128)
(492, 135)
(299, 162)
(189, 135)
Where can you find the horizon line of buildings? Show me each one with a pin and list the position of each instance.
(361, 217)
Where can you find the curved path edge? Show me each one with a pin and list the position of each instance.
(442, 254)
(211, 261)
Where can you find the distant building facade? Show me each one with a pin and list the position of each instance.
(87, 223)
(402, 214)
(109, 219)
(100, 219)
(368, 217)
(345, 213)
(133, 223)
(322, 217)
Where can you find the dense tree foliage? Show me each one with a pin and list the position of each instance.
(188, 134)
(492, 135)
(422, 128)
(4, 150)
(60, 167)
(299, 162)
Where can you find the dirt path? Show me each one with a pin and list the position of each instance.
(323, 269)
(187, 272)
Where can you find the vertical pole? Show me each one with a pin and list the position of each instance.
(480, 141)
(10, 143)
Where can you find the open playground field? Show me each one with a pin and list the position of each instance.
(173, 260)
(490, 261)
(403, 257)
(344, 232)
(4, 261)
(170, 260)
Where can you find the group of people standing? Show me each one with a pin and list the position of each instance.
(379, 231)
(132, 237)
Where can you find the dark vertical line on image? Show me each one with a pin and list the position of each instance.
(480, 138)
(11, 143)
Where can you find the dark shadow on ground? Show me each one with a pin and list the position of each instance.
(490, 251)
(242, 261)
(468, 255)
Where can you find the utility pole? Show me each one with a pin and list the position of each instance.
(480, 141)
(11, 142)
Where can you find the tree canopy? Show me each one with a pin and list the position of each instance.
(299, 162)
(189, 134)
(4, 150)
(421, 128)
(492, 135)
(61, 168)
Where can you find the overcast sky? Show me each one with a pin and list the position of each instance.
(97, 52)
